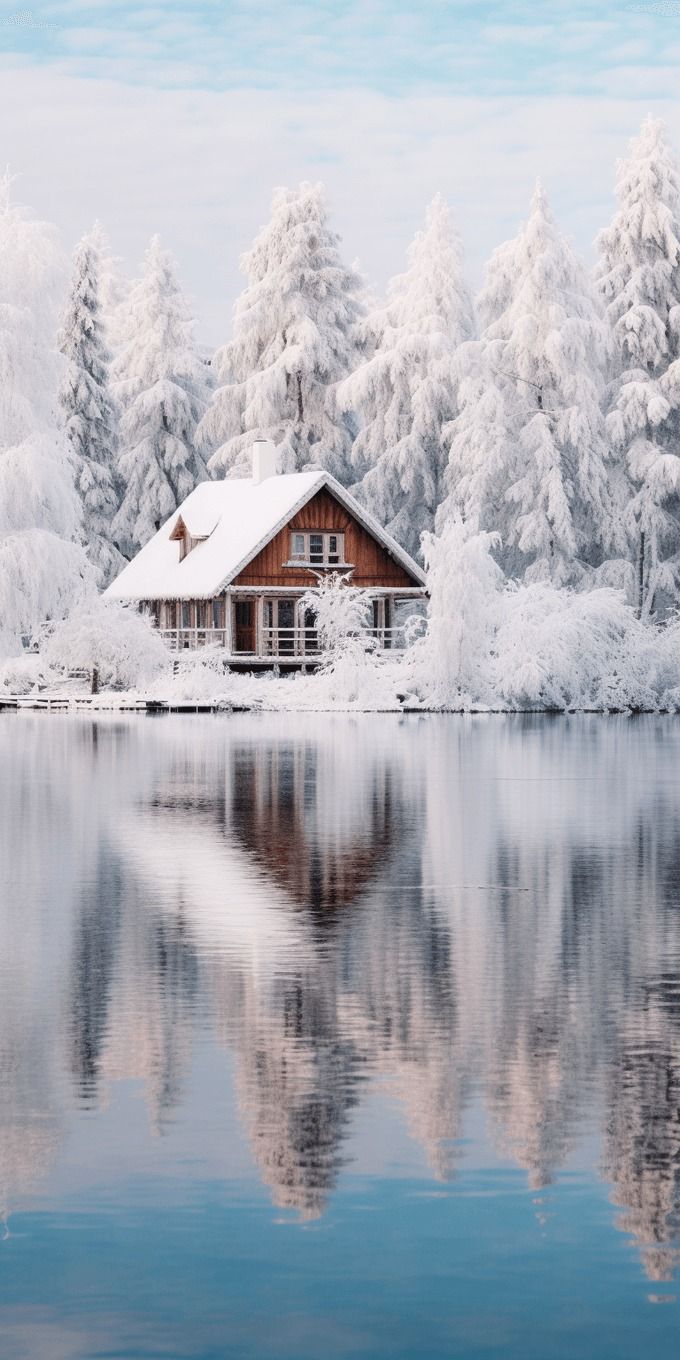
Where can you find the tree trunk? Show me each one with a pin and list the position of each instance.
(301, 414)
(94, 687)
(641, 574)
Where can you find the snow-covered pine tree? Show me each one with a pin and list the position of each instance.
(114, 288)
(639, 278)
(405, 392)
(88, 411)
(42, 565)
(528, 454)
(481, 451)
(162, 388)
(294, 337)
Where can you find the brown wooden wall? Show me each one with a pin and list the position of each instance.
(323, 513)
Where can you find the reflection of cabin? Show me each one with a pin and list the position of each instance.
(232, 565)
(278, 797)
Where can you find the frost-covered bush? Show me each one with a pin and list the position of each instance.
(199, 675)
(111, 638)
(342, 619)
(22, 674)
(465, 585)
(565, 649)
(498, 644)
(341, 616)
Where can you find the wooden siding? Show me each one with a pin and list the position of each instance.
(323, 513)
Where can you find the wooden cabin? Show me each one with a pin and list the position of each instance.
(232, 564)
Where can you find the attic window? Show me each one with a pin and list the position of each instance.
(187, 542)
(318, 549)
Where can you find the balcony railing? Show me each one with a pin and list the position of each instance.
(276, 643)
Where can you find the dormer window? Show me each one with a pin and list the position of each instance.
(188, 541)
(320, 549)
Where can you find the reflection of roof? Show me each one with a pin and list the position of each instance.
(236, 519)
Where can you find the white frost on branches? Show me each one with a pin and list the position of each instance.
(342, 616)
(503, 645)
(294, 337)
(528, 454)
(116, 640)
(41, 564)
(639, 279)
(161, 384)
(406, 391)
(88, 412)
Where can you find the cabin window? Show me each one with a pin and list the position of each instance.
(186, 614)
(201, 621)
(217, 614)
(318, 549)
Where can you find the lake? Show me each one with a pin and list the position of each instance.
(336, 1036)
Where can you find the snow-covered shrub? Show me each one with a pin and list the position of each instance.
(199, 675)
(342, 620)
(341, 616)
(40, 574)
(113, 639)
(567, 649)
(465, 584)
(21, 674)
(494, 643)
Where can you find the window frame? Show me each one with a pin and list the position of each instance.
(329, 557)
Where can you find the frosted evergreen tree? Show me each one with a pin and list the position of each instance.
(162, 388)
(114, 289)
(639, 279)
(88, 412)
(528, 455)
(294, 337)
(42, 566)
(405, 393)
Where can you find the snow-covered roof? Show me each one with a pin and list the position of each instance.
(240, 517)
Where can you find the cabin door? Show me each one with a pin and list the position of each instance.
(244, 626)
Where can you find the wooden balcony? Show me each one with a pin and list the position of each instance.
(296, 647)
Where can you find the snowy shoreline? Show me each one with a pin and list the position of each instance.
(145, 706)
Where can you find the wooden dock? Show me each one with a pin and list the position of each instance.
(91, 703)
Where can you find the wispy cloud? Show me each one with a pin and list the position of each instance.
(200, 164)
(182, 117)
(475, 48)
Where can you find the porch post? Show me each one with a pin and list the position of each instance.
(228, 621)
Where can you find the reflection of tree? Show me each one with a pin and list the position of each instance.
(297, 1081)
(449, 906)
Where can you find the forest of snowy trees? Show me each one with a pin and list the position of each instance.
(534, 431)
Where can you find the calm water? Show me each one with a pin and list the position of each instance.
(339, 1037)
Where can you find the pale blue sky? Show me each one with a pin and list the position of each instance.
(182, 117)
(480, 48)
